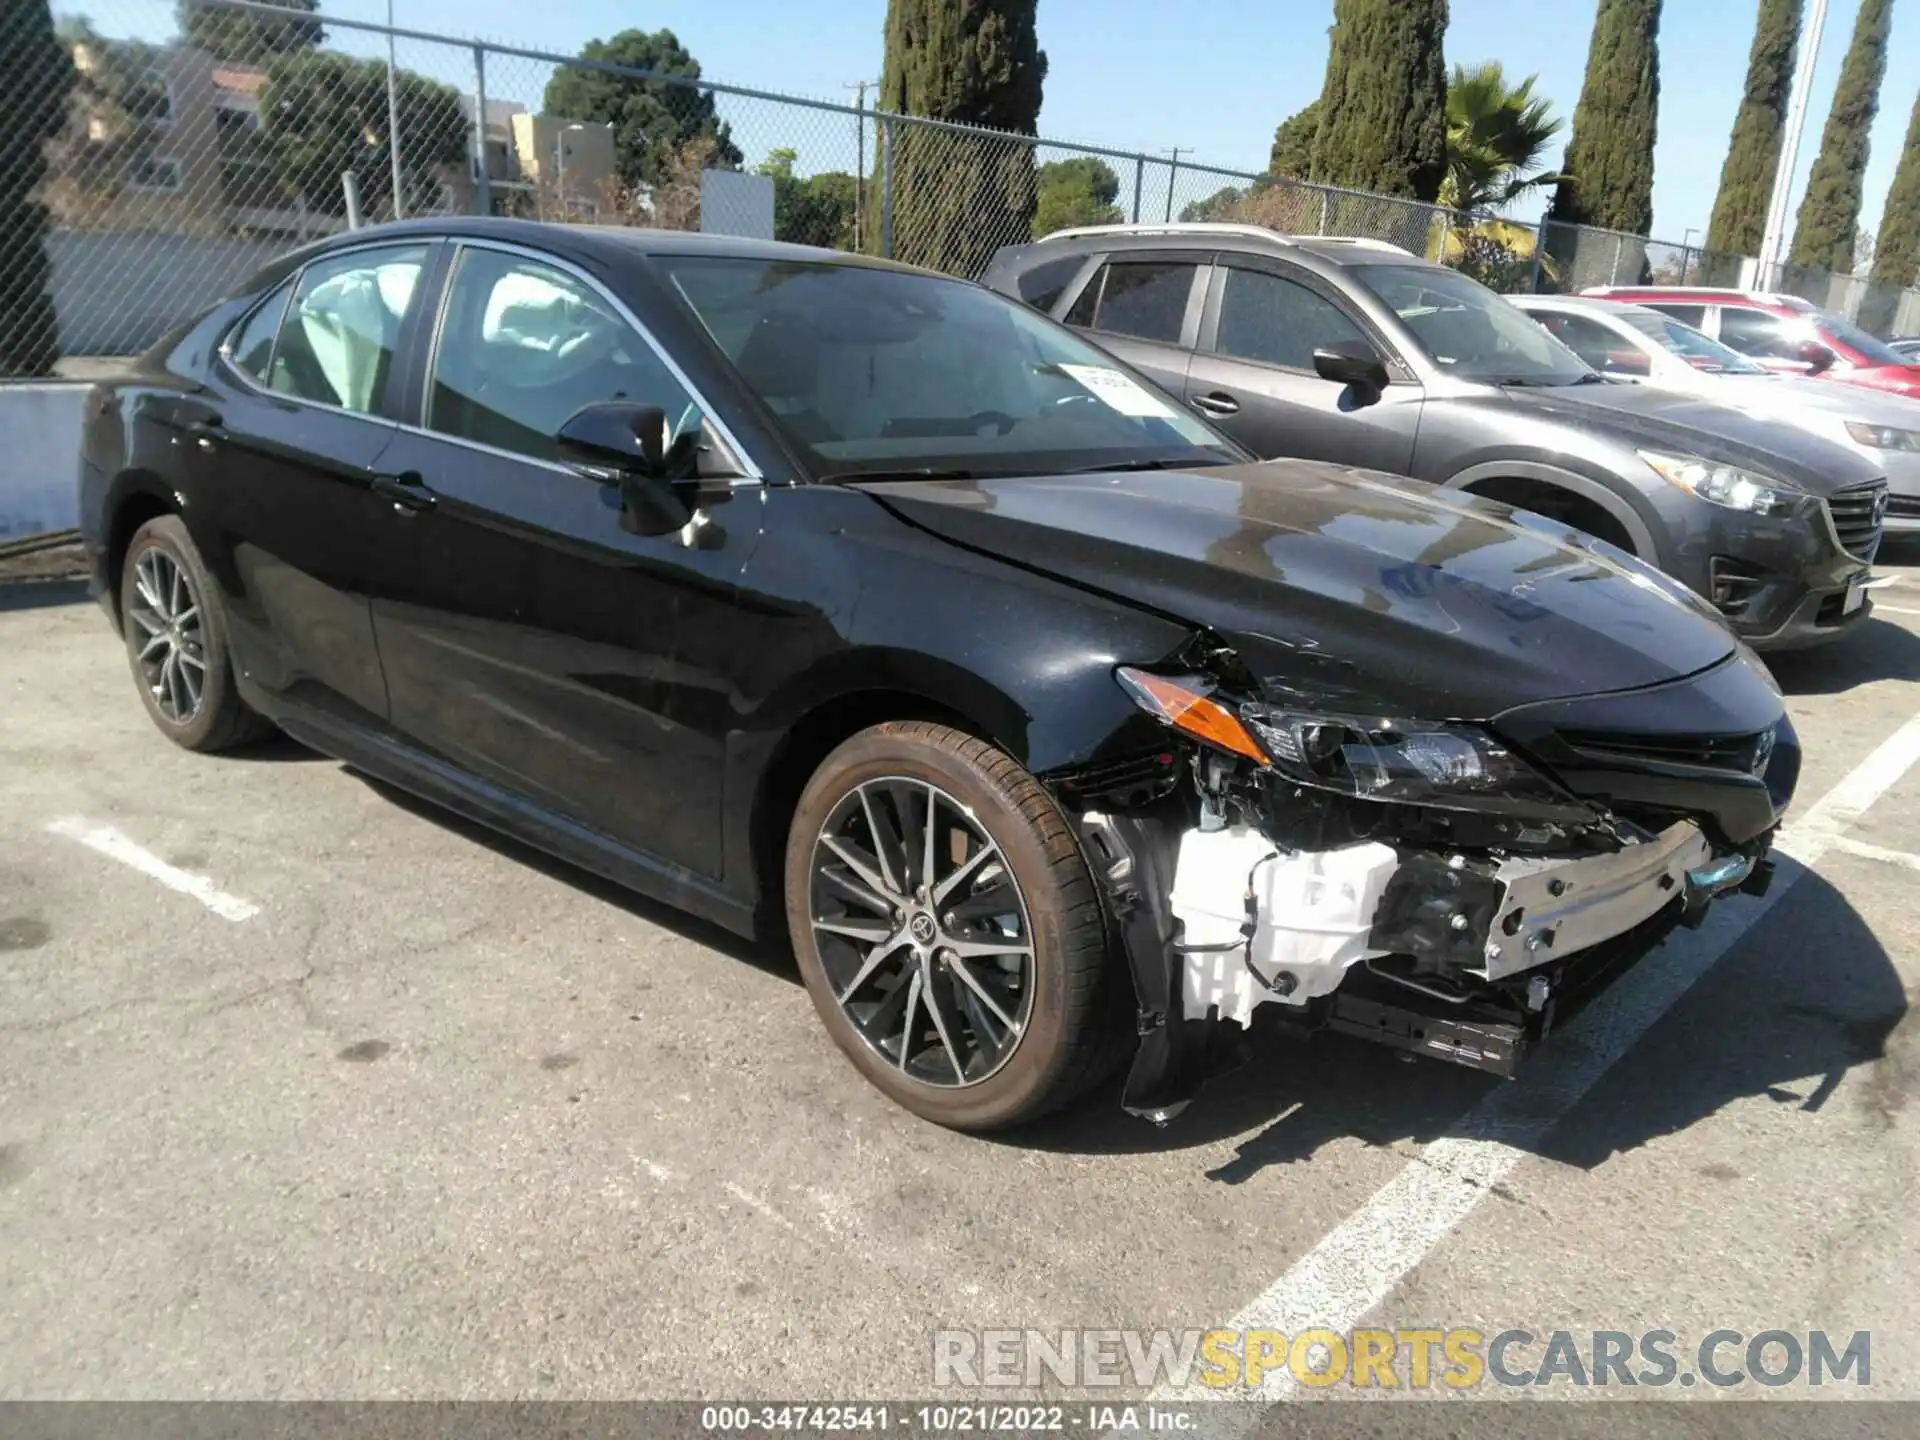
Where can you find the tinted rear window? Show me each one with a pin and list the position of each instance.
(1042, 285)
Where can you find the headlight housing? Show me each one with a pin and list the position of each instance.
(1408, 762)
(1883, 437)
(1719, 484)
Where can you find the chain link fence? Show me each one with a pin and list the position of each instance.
(176, 145)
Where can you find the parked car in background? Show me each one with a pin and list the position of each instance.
(1358, 352)
(813, 593)
(1637, 342)
(1782, 332)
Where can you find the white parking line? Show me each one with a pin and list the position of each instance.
(1881, 605)
(107, 841)
(1877, 852)
(1359, 1262)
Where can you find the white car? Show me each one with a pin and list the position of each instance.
(1636, 342)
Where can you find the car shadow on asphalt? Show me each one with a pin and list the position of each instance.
(40, 594)
(774, 957)
(1792, 1007)
(1877, 650)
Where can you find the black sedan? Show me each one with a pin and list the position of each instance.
(812, 593)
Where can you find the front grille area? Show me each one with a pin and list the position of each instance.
(1131, 780)
(1856, 518)
(1707, 752)
(1907, 507)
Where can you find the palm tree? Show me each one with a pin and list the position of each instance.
(1496, 134)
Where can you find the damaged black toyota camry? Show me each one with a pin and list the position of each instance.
(814, 593)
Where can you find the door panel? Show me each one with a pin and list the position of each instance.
(528, 637)
(294, 442)
(1254, 378)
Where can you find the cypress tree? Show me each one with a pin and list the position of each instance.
(1746, 179)
(1609, 159)
(36, 77)
(1896, 251)
(958, 198)
(1383, 106)
(1292, 155)
(1829, 211)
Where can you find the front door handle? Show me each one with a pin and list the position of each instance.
(1216, 402)
(407, 491)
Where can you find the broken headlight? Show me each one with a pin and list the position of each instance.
(1407, 762)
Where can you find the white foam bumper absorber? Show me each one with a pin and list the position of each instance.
(1312, 912)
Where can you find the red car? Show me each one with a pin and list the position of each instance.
(1782, 332)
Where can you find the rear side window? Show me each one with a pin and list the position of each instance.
(1265, 317)
(1041, 287)
(335, 344)
(1694, 315)
(1144, 299)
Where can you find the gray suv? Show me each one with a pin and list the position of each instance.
(1358, 352)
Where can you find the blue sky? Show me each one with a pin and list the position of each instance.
(1210, 76)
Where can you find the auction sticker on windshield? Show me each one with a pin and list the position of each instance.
(1126, 395)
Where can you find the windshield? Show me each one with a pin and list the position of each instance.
(1690, 345)
(871, 371)
(1870, 348)
(1469, 331)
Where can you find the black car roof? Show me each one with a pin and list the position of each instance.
(611, 242)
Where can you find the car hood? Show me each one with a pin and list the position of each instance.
(1344, 586)
(1685, 423)
(1899, 379)
(1758, 394)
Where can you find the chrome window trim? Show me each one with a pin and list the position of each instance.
(463, 243)
(559, 467)
(292, 286)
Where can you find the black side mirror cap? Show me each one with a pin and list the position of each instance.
(616, 435)
(1355, 363)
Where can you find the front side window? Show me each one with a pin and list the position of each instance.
(1688, 343)
(335, 345)
(1594, 343)
(523, 345)
(1266, 317)
(1870, 348)
(869, 370)
(1467, 330)
(1754, 332)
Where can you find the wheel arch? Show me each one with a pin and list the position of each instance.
(1508, 481)
(138, 496)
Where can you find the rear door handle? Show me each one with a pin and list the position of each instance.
(407, 491)
(206, 431)
(1216, 402)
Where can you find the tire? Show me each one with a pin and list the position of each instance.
(171, 609)
(1015, 879)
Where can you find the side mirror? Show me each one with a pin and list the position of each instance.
(631, 441)
(616, 435)
(1354, 363)
(1816, 357)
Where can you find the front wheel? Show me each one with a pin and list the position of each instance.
(948, 928)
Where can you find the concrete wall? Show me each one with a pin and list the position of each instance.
(39, 457)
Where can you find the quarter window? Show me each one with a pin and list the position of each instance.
(336, 344)
(1279, 321)
(252, 346)
(1042, 286)
(1146, 300)
(524, 345)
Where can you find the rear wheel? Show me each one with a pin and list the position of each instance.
(176, 634)
(947, 927)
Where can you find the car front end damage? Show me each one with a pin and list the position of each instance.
(1451, 889)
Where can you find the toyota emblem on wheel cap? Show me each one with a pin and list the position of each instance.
(922, 927)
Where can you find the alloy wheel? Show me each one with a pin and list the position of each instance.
(172, 651)
(922, 931)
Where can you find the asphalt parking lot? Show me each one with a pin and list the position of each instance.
(380, 1105)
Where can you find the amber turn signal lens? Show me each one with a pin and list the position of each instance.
(1185, 706)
